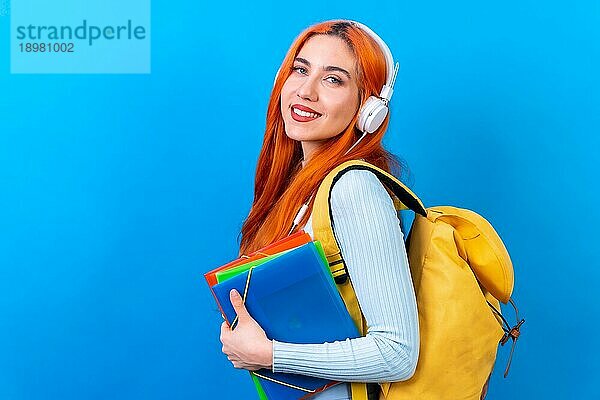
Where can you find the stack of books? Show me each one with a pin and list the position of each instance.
(288, 289)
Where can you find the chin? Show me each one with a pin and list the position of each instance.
(298, 138)
(298, 134)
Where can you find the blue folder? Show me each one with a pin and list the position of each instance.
(294, 299)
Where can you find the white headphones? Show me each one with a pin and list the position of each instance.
(375, 109)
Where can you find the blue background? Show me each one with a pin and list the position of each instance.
(117, 192)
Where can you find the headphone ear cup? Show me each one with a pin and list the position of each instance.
(371, 115)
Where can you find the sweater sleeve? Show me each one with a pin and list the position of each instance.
(369, 235)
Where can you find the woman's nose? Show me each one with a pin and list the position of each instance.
(307, 90)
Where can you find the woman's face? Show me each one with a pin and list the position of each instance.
(320, 97)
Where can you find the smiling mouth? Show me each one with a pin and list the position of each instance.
(303, 116)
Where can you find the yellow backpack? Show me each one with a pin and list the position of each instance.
(460, 271)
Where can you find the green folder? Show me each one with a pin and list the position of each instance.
(222, 276)
(231, 272)
(259, 390)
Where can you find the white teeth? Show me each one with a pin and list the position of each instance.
(304, 113)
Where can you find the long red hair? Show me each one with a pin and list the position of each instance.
(281, 186)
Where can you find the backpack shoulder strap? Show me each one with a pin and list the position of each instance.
(321, 212)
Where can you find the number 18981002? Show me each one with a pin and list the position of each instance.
(47, 47)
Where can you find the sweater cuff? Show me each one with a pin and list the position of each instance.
(273, 356)
(275, 349)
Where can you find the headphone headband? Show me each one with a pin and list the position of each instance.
(391, 71)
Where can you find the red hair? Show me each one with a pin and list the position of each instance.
(281, 186)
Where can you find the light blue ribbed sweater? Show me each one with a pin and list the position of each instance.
(368, 232)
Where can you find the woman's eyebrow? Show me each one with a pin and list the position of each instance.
(328, 68)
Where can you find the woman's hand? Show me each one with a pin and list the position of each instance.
(247, 346)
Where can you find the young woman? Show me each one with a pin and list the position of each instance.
(328, 73)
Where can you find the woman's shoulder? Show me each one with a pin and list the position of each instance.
(356, 185)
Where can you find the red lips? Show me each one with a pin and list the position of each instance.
(301, 118)
(304, 108)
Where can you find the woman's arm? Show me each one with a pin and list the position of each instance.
(368, 233)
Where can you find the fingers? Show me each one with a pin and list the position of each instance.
(224, 326)
(224, 330)
(238, 363)
(236, 360)
(242, 365)
(238, 305)
(233, 343)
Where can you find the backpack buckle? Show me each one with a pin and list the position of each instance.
(341, 279)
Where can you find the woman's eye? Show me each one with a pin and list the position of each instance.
(298, 69)
(333, 80)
